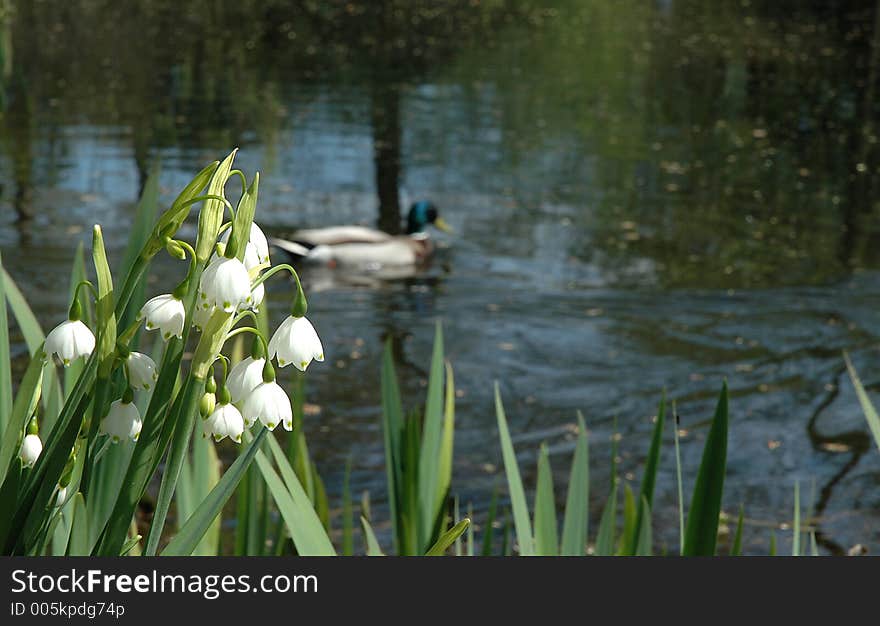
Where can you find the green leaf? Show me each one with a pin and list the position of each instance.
(430, 497)
(183, 422)
(644, 544)
(79, 531)
(9, 489)
(605, 537)
(444, 467)
(701, 531)
(736, 550)
(814, 547)
(772, 543)
(448, 538)
(650, 477)
(199, 475)
(392, 430)
(575, 524)
(796, 527)
(5, 360)
(303, 524)
(629, 522)
(867, 406)
(546, 537)
(514, 483)
(192, 532)
(25, 403)
(373, 547)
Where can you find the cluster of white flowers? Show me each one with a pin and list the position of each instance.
(250, 394)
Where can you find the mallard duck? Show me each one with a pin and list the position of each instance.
(367, 248)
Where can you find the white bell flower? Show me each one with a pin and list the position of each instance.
(122, 420)
(70, 340)
(61, 497)
(31, 448)
(224, 421)
(295, 341)
(244, 377)
(268, 403)
(225, 284)
(256, 242)
(142, 372)
(165, 313)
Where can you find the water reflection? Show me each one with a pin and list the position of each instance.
(646, 195)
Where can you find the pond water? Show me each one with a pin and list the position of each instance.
(645, 195)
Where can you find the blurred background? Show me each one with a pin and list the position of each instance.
(645, 194)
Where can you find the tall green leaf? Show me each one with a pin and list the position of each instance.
(305, 527)
(701, 532)
(79, 532)
(575, 525)
(605, 536)
(430, 498)
(392, 430)
(546, 537)
(5, 360)
(514, 483)
(644, 544)
(650, 478)
(192, 532)
(678, 482)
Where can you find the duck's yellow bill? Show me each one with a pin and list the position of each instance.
(442, 225)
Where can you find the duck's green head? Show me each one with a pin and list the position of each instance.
(421, 214)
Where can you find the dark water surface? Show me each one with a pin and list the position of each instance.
(644, 194)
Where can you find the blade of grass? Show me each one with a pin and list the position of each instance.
(5, 360)
(305, 527)
(653, 461)
(429, 458)
(546, 537)
(644, 544)
(575, 525)
(514, 482)
(701, 531)
(392, 429)
(629, 522)
(25, 404)
(79, 532)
